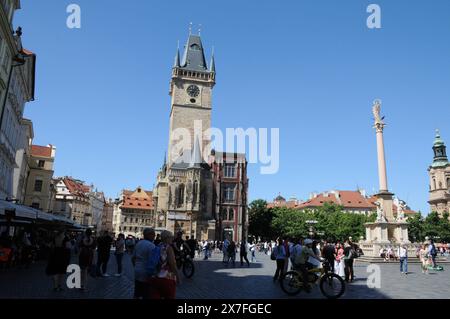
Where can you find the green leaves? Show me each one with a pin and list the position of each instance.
(283, 221)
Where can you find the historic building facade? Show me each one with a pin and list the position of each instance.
(23, 154)
(108, 216)
(17, 70)
(96, 205)
(195, 192)
(133, 212)
(230, 184)
(72, 200)
(40, 187)
(439, 173)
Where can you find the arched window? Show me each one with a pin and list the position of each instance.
(434, 184)
(180, 195)
(231, 214)
(224, 214)
(194, 193)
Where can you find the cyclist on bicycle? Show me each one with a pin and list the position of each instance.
(180, 247)
(302, 263)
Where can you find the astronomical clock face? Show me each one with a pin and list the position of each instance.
(193, 90)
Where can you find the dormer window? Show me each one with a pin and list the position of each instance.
(195, 47)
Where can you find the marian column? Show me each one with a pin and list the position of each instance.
(384, 197)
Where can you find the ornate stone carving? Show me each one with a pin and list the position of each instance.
(380, 212)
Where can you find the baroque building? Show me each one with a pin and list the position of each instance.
(133, 212)
(439, 173)
(40, 188)
(72, 200)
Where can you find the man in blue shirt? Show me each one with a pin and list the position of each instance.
(141, 255)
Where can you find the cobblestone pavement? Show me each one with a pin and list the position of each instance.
(215, 280)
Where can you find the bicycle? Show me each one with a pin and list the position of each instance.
(331, 285)
(185, 263)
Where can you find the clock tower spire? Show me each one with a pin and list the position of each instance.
(191, 102)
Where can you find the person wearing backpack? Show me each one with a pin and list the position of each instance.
(141, 255)
(165, 274)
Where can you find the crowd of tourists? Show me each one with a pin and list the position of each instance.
(305, 254)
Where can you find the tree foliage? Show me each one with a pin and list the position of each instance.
(260, 219)
(332, 222)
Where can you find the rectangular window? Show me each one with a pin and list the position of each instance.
(228, 193)
(41, 163)
(38, 185)
(230, 170)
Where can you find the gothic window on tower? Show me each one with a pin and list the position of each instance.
(180, 195)
(224, 214)
(194, 193)
(231, 214)
(434, 184)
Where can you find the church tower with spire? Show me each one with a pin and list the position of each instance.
(439, 172)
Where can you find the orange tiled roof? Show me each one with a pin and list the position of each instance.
(347, 199)
(76, 188)
(138, 199)
(41, 151)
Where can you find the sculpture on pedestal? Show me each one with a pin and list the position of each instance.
(380, 212)
(401, 211)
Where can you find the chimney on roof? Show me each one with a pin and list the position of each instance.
(363, 192)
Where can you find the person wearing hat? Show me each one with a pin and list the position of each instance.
(303, 264)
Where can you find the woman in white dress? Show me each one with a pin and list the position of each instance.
(339, 266)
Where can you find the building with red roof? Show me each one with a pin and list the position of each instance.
(133, 212)
(356, 202)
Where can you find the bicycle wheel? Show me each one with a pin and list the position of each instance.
(291, 283)
(332, 286)
(188, 268)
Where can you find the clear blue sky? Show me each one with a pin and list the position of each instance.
(310, 68)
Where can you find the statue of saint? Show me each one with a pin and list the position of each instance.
(380, 212)
(401, 210)
(377, 111)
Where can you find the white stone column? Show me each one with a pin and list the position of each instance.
(382, 173)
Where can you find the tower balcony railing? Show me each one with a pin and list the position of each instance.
(206, 76)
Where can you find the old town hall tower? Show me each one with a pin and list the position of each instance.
(183, 191)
